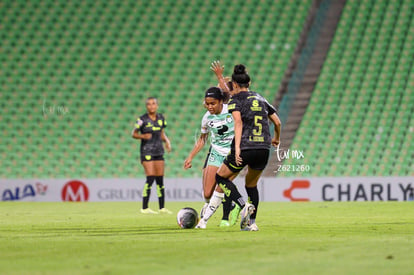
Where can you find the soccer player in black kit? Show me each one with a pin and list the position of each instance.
(251, 114)
(149, 128)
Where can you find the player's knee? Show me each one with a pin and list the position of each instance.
(251, 184)
(208, 193)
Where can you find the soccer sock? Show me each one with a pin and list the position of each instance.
(160, 191)
(203, 210)
(230, 190)
(226, 208)
(253, 198)
(146, 192)
(214, 203)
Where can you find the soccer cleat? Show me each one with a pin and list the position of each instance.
(247, 210)
(247, 228)
(234, 214)
(224, 223)
(201, 224)
(253, 227)
(148, 211)
(164, 211)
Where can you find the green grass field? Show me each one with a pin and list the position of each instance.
(294, 238)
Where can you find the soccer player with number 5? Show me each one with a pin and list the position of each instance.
(251, 114)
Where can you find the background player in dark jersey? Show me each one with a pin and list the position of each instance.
(149, 128)
(251, 114)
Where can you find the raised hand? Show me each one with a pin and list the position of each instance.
(217, 68)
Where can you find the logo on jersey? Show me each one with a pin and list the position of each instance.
(159, 122)
(216, 124)
(255, 106)
(139, 123)
(229, 118)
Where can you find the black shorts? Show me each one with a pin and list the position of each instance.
(255, 158)
(151, 158)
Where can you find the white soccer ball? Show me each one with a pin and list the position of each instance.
(187, 218)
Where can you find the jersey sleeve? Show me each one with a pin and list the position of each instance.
(233, 105)
(270, 108)
(164, 123)
(204, 128)
(138, 124)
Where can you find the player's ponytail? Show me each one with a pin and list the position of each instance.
(240, 76)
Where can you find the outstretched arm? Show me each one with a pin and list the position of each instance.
(238, 129)
(218, 69)
(276, 121)
(197, 148)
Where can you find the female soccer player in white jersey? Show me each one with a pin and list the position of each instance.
(217, 123)
(149, 128)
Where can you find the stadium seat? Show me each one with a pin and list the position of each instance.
(364, 90)
(100, 60)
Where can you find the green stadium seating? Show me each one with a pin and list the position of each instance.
(101, 59)
(360, 118)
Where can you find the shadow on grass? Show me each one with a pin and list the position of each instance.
(104, 231)
(129, 231)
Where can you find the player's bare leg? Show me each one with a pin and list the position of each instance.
(209, 181)
(208, 186)
(149, 168)
(214, 198)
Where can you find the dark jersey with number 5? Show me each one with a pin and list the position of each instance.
(254, 110)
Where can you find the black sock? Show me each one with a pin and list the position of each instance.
(226, 208)
(253, 198)
(146, 191)
(230, 190)
(160, 191)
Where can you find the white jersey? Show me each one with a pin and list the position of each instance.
(221, 129)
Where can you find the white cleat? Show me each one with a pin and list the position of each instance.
(165, 211)
(254, 227)
(247, 210)
(202, 224)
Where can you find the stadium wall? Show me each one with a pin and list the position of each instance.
(185, 189)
